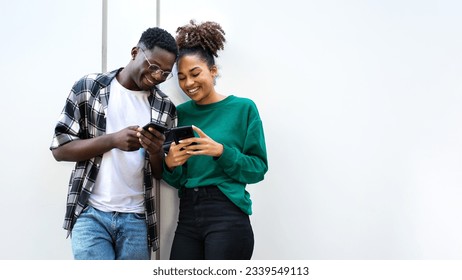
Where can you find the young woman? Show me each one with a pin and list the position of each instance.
(212, 169)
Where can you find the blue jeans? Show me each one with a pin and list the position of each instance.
(211, 227)
(99, 235)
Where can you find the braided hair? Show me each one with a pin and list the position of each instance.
(204, 39)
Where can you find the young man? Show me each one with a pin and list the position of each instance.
(110, 206)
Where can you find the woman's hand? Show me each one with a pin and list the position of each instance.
(177, 155)
(202, 145)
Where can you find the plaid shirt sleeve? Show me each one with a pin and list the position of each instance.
(82, 118)
(83, 114)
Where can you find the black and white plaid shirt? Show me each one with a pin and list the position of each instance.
(84, 117)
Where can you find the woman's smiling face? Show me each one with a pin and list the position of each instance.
(196, 79)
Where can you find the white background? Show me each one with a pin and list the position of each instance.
(360, 100)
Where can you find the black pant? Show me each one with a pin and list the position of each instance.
(211, 227)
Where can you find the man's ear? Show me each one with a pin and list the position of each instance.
(134, 52)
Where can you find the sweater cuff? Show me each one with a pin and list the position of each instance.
(227, 158)
(170, 174)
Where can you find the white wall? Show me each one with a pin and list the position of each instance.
(361, 106)
(48, 45)
(360, 102)
(42, 54)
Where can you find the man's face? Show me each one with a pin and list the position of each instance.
(150, 67)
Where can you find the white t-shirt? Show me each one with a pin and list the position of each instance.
(119, 184)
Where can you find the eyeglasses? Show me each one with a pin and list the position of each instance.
(155, 69)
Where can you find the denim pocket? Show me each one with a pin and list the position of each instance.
(140, 216)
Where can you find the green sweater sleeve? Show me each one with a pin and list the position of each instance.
(250, 165)
(173, 178)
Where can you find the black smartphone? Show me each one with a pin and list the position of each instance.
(182, 132)
(176, 134)
(162, 129)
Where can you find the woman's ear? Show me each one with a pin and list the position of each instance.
(214, 71)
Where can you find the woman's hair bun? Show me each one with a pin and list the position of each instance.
(207, 35)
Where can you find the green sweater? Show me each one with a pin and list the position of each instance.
(235, 123)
